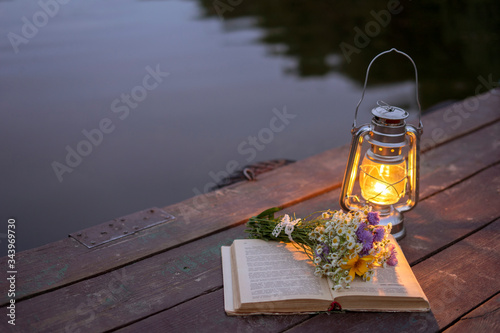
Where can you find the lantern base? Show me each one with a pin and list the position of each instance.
(387, 215)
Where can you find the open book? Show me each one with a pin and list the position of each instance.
(272, 278)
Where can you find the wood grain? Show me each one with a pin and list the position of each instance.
(462, 276)
(131, 292)
(485, 318)
(195, 268)
(443, 125)
(454, 229)
(456, 160)
(446, 279)
(64, 262)
(209, 316)
(443, 218)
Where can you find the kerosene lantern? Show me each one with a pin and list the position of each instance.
(389, 171)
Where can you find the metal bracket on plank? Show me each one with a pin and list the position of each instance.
(121, 227)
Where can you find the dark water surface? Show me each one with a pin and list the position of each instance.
(94, 128)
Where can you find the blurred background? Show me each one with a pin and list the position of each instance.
(64, 67)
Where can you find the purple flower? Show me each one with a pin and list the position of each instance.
(326, 251)
(365, 237)
(392, 261)
(361, 229)
(373, 218)
(379, 234)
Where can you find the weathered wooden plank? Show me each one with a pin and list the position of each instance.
(66, 261)
(455, 228)
(459, 118)
(471, 187)
(446, 279)
(129, 293)
(210, 317)
(206, 314)
(459, 278)
(443, 218)
(194, 269)
(456, 160)
(485, 318)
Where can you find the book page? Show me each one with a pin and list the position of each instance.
(271, 271)
(390, 281)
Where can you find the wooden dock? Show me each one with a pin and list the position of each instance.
(168, 278)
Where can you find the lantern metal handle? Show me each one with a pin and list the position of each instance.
(420, 126)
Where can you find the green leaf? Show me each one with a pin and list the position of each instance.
(269, 212)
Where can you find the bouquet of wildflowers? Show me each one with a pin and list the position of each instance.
(341, 245)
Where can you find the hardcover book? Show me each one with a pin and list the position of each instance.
(263, 277)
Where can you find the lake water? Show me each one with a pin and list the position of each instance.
(109, 107)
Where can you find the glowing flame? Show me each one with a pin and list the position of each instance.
(382, 183)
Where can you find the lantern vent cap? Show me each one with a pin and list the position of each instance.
(389, 112)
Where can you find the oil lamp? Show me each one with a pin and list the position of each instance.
(389, 171)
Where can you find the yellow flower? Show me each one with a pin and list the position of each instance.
(357, 265)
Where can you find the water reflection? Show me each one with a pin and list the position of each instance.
(451, 44)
